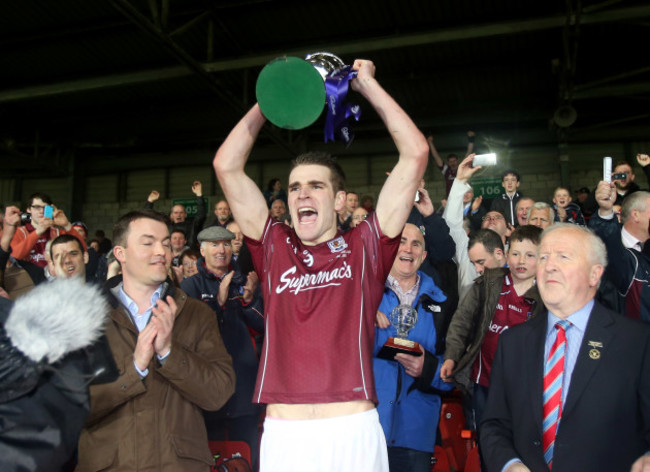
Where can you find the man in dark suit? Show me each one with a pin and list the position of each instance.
(601, 421)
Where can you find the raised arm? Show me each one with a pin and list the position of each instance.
(644, 162)
(398, 193)
(244, 197)
(470, 142)
(434, 152)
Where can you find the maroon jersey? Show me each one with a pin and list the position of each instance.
(511, 310)
(37, 253)
(320, 304)
(449, 176)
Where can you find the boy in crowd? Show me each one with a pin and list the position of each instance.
(500, 298)
(507, 202)
(565, 210)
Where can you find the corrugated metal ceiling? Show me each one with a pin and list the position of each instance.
(80, 73)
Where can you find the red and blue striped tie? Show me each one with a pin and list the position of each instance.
(553, 378)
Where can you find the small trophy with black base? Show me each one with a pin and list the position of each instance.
(403, 317)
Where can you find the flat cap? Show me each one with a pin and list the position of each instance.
(215, 233)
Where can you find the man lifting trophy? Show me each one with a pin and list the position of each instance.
(321, 288)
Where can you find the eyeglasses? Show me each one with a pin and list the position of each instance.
(38, 207)
(493, 218)
(360, 217)
(189, 264)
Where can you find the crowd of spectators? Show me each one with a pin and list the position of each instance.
(190, 299)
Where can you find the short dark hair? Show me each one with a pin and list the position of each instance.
(325, 159)
(272, 183)
(176, 229)
(490, 240)
(121, 228)
(511, 172)
(530, 232)
(66, 238)
(616, 164)
(452, 156)
(189, 253)
(40, 195)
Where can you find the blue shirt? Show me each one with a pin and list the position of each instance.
(574, 335)
(140, 320)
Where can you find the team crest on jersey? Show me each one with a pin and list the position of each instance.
(337, 245)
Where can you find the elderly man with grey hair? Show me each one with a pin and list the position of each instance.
(237, 303)
(541, 214)
(570, 386)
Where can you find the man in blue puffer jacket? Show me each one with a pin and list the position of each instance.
(408, 386)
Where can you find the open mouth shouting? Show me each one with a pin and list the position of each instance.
(307, 215)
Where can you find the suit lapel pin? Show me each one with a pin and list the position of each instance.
(594, 353)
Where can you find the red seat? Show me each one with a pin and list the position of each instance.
(441, 461)
(223, 450)
(452, 425)
(473, 463)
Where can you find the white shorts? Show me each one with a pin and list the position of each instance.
(354, 443)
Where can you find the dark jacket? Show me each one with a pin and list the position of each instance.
(43, 407)
(474, 315)
(506, 206)
(628, 270)
(441, 249)
(591, 205)
(605, 422)
(573, 214)
(235, 318)
(439, 244)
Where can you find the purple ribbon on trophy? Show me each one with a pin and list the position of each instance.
(337, 78)
(337, 122)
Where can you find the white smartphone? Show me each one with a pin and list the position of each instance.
(485, 160)
(607, 169)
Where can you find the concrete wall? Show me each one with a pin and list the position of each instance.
(110, 195)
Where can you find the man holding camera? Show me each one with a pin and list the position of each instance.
(623, 179)
(30, 239)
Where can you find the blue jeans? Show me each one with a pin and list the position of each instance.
(401, 459)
